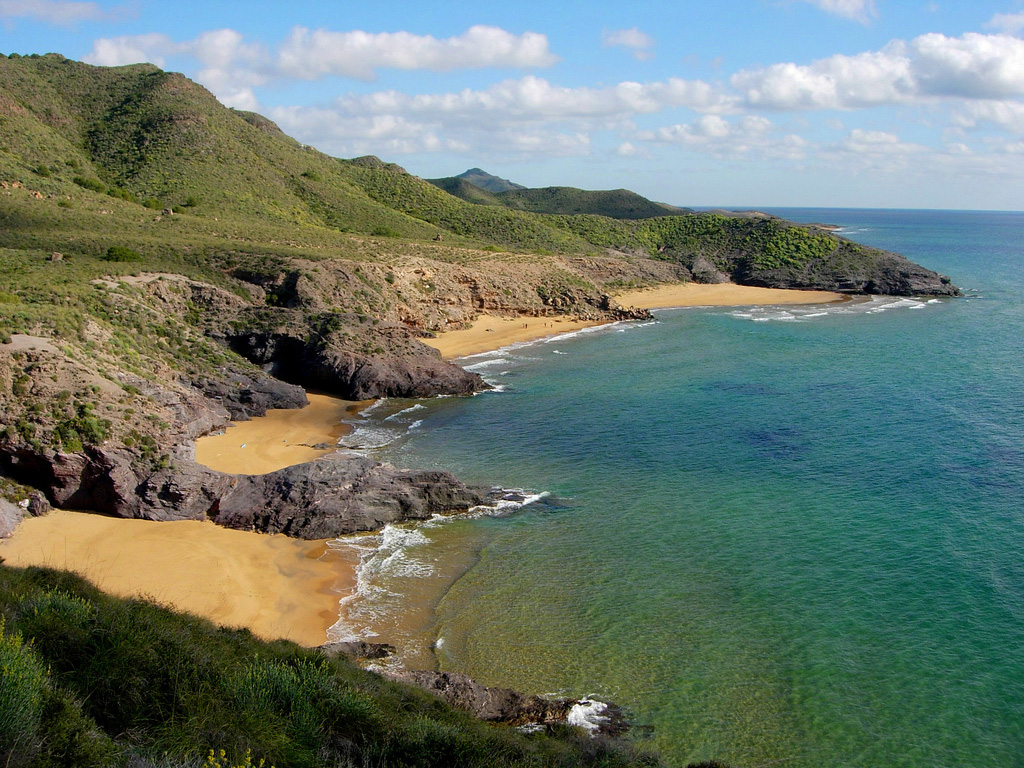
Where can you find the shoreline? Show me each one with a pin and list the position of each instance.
(488, 333)
(279, 587)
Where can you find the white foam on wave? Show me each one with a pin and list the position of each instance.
(386, 555)
(410, 409)
(588, 713)
(858, 306)
(487, 363)
(365, 412)
(513, 499)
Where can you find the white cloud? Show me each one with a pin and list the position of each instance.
(640, 43)
(312, 54)
(352, 133)
(750, 135)
(133, 49)
(857, 10)
(973, 66)
(232, 67)
(1011, 23)
(864, 142)
(1005, 115)
(533, 98)
(62, 12)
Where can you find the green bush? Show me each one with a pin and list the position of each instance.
(94, 184)
(120, 253)
(22, 683)
(153, 203)
(385, 232)
(122, 194)
(42, 170)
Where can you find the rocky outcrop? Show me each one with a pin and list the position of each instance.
(339, 494)
(504, 705)
(245, 394)
(353, 357)
(358, 650)
(329, 497)
(883, 273)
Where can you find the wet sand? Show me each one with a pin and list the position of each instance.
(490, 333)
(279, 439)
(275, 586)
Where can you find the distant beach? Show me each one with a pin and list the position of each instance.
(488, 333)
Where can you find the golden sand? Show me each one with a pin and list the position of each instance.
(275, 586)
(279, 439)
(490, 333)
(721, 295)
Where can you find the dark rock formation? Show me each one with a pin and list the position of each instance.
(329, 497)
(504, 705)
(352, 357)
(246, 394)
(358, 649)
(339, 494)
(872, 272)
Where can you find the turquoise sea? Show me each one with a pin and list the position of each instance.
(775, 536)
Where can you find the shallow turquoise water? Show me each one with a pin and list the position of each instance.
(775, 536)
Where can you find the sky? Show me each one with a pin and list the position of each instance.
(736, 103)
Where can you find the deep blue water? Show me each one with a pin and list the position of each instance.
(775, 536)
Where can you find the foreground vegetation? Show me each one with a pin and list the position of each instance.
(90, 680)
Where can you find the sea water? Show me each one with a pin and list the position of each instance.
(776, 536)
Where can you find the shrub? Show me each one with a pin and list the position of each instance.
(42, 170)
(120, 253)
(94, 184)
(122, 194)
(152, 202)
(22, 683)
(385, 232)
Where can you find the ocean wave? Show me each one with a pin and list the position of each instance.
(390, 554)
(588, 713)
(487, 363)
(410, 409)
(870, 305)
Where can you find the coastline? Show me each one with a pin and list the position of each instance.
(276, 586)
(488, 333)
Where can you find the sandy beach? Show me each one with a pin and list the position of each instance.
(490, 333)
(275, 586)
(279, 439)
(721, 295)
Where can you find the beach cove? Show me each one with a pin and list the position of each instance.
(271, 584)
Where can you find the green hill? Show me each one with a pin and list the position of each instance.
(487, 181)
(615, 203)
(144, 136)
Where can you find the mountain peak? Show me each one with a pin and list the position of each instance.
(480, 178)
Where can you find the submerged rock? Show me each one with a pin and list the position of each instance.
(505, 705)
